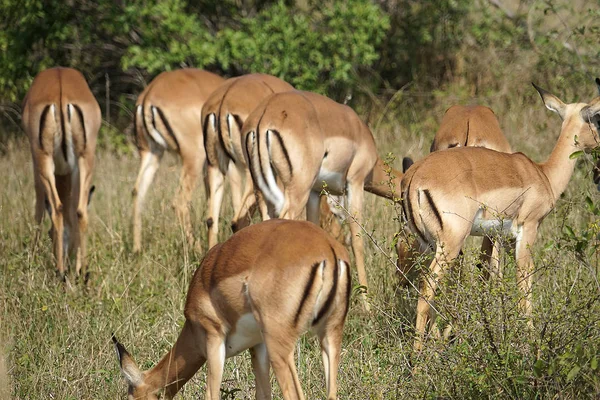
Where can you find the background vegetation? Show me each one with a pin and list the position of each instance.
(400, 64)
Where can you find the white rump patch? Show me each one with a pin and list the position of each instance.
(246, 334)
(212, 120)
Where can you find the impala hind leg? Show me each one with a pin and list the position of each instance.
(248, 203)
(215, 183)
(261, 367)
(148, 167)
(331, 346)
(444, 254)
(355, 195)
(281, 354)
(40, 208)
(86, 166)
(190, 173)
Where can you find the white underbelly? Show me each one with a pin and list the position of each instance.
(492, 226)
(245, 335)
(334, 181)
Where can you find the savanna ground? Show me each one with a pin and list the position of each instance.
(57, 345)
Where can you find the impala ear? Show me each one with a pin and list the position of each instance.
(551, 102)
(130, 370)
(591, 113)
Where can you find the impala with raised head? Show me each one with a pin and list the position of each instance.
(61, 118)
(445, 195)
(259, 290)
(462, 126)
(167, 117)
(223, 115)
(308, 142)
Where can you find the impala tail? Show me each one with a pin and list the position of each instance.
(264, 167)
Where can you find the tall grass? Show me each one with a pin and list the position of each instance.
(57, 340)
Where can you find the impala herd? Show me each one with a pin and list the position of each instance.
(280, 148)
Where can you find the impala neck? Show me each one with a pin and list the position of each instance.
(384, 181)
(559, 167)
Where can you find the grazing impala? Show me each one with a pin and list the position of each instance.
(463, 126)
(61, 118)
(223, 115)
(167, 117)
(306, 141)
(445, 195)
(259, 290)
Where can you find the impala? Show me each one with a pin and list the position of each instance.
(259, 290)
(463, 126)
(61, 118)
(307, 141)
(445, 196)
(167, 117)
(223, 115)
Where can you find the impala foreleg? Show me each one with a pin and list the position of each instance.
(215, 360)
(148, 167)
(261, 368)
(525, 238)
(490, 257)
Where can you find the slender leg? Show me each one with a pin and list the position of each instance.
(281, 353)
(40, 207)
(355, 195)
(243, 214)
(215, 359)
(490, 257)
(190, 172)
(313, 208)
(56, 207)
(86, 166)
(331, 345)
(148, 168)
(525, 239)
(261, 367)
(444, 254)
(215, 198)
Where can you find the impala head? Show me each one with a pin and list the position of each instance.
(580, 120)
(137, 387)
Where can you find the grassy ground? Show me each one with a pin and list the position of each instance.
(57, 342)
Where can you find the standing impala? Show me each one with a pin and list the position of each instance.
(445, 195)
(597, 167)
(61, 118)
(463, 126)
(259, 290)
(223, 115)
(167, 117)
(307, 141)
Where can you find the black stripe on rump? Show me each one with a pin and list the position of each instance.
(348, 288)
(309, 284)
(260, 164)
(467, 138)
(409, 214)
(433, 207)
(167, 125)
(205, 136)
(42, 123)
(332, 292)
(80, 114)
(285, 152)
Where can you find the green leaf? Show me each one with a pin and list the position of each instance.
(573, 373)
(576, 154)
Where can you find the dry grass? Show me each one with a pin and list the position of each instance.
(59, 340)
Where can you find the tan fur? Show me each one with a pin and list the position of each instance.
(290, 276)
(462, 126)
(178, 96)
(443, 193)
(305, 142)
(52, 121)
(237, 97)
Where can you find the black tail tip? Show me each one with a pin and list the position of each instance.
(598, 81)
(406, 163)
(114, 339)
